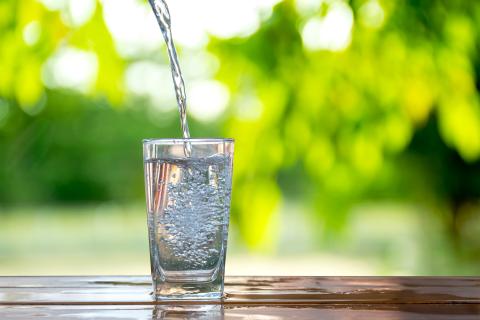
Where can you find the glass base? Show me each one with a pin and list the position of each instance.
(200, 311)
(212, 291)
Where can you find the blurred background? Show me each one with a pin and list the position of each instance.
(357, 128)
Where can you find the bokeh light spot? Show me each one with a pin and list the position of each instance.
(371, 14)
(332, 32)
(152, 81)
(78, 12)
(248, 107)
(208, 100)
(31, 33)
(71, 68)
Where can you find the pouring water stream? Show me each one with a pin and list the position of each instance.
(162, 13)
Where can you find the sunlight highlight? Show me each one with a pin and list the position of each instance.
(71, 68)
(31, 33)
(332, 32)
(79, 12)
(192, 21)
(208, 100)
(141, 35)
(371, 14)
(153, 82)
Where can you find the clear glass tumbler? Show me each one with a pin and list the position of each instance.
(188, 204)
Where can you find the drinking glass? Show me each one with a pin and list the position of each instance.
(188, 184)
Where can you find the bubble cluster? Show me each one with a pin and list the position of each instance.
(191, 215)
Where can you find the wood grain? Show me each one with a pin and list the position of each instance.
(122, 297)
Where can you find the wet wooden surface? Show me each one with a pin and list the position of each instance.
(122, 297)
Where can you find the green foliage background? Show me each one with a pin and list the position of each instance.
(393, 118)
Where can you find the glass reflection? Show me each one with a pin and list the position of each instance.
(199, 312)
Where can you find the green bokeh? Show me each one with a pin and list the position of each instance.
(385, 132)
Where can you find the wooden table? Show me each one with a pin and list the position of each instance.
(264, 298)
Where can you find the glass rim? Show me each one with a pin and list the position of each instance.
(174, 141)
